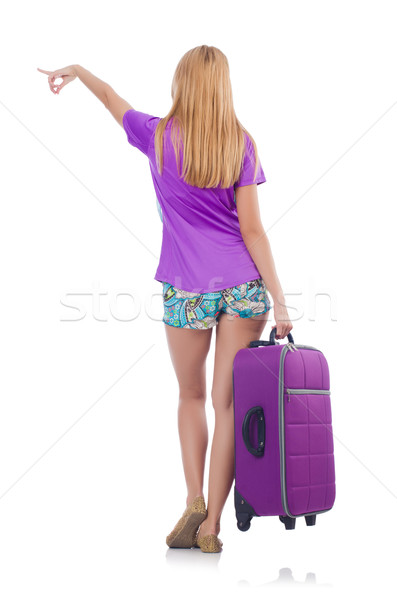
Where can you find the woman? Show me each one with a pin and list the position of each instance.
(216, 265)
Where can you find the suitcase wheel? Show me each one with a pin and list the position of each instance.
(289, 522)
(243, 521)
(310, 519)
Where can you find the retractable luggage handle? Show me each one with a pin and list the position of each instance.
(271, 341)
(261, 431)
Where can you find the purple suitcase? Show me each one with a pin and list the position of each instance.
(284, 454)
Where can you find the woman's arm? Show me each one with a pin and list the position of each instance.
(94, 84)
(258, 246)
(116, 105)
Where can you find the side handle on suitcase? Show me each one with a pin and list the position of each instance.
(258, 410)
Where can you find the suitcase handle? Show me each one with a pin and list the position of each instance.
(271, 342)
(258, 410)
(273, 335)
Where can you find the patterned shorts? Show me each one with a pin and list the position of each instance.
(200, 311)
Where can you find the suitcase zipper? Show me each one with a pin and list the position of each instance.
(282, 429)
(296, 391)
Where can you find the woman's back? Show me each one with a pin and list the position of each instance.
(202, 246)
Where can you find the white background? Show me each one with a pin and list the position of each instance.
(91, 475)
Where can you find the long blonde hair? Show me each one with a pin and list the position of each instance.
(213, 137)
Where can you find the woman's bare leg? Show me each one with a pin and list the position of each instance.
(188, 350)
(232, 334)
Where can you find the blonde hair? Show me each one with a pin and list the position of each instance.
(213, 137)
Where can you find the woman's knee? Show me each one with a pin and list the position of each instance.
(192, 393)
(222, 399)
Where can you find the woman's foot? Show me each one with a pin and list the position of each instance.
(184, 533)
(207, 537)
(206, 529)
(190, 499)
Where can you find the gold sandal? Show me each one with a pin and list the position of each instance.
(185, 531)
(208, 543)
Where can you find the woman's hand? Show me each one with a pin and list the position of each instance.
(283, 323)
(67, 74)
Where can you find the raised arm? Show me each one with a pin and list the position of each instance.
(116, 105)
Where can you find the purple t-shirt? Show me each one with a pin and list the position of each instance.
(202, 248)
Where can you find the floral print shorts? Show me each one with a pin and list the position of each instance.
(200, 311)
